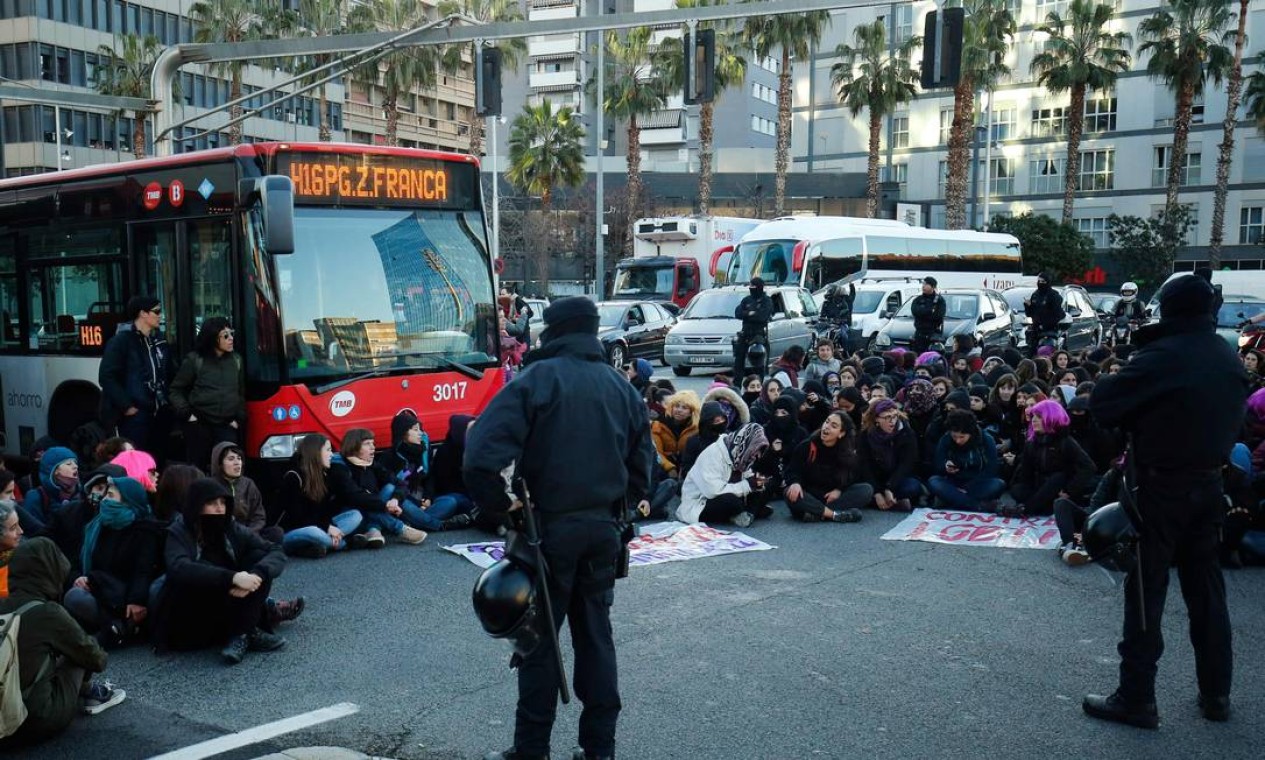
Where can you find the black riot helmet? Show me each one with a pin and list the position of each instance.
(1111, 538)
(505, 602)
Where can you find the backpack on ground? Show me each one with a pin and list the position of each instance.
(12, 706)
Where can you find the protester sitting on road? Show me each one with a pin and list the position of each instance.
(848, 376)
(314, 521)
(58, 488)
(446, 479)
(786, 368)
(889, 456)
(227, 462)
(879, 390)
(30, 481)
(833, 384)
(762, 410)
(851, 402)
(1100, 444)
(107, 450)
(942, 386)
(823, 476)
(822, 362)
(736, 410)
(173, 489)
(405, 465)
(10, 534)
(751, 389)
(206, 395)
(118, 563)
(674, 430)
(722, 485)
(219, 574)
(712, 424)
(966, 466)
(1053, 464)
(55, 657)
(816, 405)
(357, 484)
(1070, 515)
(1243, 513)
(784, 435)
(141, 467)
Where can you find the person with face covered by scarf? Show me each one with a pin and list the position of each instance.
(762, 409)
(889, 454)
(118, 562)
(817, 404)
(823, 476)
(785, 435)
(55, 657)
(755, 311)
(919, 400)
(219, 574)
(712, 424)
(751, 389)
(1102, 445)
(722, 486)
(735, 408)
(1053, 464)
(66, 529)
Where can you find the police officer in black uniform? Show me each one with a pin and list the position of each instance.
(755, 311)
(1045, 308)
(928, 311)
(579, 436)
(1181, 397)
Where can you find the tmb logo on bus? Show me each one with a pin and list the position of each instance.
(342, 403)
(152, 196)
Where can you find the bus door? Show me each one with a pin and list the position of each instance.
(833, 260)
(187, 265)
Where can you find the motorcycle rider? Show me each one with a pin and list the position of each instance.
(928, 311)
(1129, 309)
(836, 313)
(1045, 308)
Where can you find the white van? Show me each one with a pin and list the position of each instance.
(1232, 282)
(877, 299)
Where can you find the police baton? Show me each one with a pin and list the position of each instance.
(542, 581)
(1128, 500)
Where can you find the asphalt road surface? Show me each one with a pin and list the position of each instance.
(833, 645)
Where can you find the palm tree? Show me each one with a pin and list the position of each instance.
(730, 69)
(1234, 92)
(124, 72)
(1254, 100)
(632, 90)
(319, 18)
(512, 50)
(1080, 54)
(232, 21)
(402, 70)
(867, 78)
(1184, 44)
(794, 35)
(986, 38)
(546, 151)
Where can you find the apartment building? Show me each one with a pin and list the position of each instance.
(52, 45)
(1125, 152)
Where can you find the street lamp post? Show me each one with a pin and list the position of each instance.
(988, 160)
(496, 190)
(599, 97)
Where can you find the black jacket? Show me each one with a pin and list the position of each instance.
(445, 469)
(356, 486)
(1045, 307)
(820, 469)
(579, 433)
(886, 463)
(755, 312)
(928, 312)
(1130, 309)
(124, 564)
(1053, 455)
(301, 511)
(1181, 396)
(838, 310)
(211, 388)
(135, 371)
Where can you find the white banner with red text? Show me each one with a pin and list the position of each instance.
(946, 526)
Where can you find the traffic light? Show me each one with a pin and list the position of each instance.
(942, 48)
(487, 82)
(700, 66)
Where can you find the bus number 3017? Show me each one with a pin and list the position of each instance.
(450, 391)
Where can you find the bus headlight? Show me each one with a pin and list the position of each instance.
(882, 339)
(281, 446)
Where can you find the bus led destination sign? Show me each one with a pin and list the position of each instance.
(377, 180)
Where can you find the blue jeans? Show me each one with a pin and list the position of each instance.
(1241, 457)
(968, 495)
(908, 488)
(433, 517)
(312, 536)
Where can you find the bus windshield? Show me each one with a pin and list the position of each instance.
(642, 280)
(369, 289)
(769, 260)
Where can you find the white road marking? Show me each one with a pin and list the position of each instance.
(230, 742)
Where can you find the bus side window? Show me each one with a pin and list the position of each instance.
(210, 269)
(9, 303)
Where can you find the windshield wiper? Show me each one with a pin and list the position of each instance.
(465, 369)
(336, 384)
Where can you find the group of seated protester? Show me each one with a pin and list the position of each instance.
(969, 429)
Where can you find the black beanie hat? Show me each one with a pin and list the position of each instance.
(1186, 297)
(573, 314)
(852, 395)
(980, 391)
(959, 398)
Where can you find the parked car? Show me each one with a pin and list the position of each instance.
(633, 330)
(876, 300)
(1084, 330)
(1235, 310)
(703, 336)
(979, 312)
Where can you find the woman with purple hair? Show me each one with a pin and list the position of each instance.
(1053, 464)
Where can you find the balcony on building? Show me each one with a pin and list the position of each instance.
(554, 46)
(662, 128)
(554, 80)
(545, 10)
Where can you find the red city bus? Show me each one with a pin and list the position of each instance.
(360, 287)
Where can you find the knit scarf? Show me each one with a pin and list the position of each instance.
(746, 445)
(883, 445)
(112, 514)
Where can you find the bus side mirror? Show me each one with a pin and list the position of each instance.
(274, 195)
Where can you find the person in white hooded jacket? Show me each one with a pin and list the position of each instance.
(708, 495)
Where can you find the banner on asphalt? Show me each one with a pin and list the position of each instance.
(655, 544)
(943, 526)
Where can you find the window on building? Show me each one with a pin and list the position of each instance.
(1001, 176)
(1251, 224)
(1044, 7)
(1049, 122)
(946, 124)
(1045, 175)
(942, 174)
(1097, 169)
(1004, 123)
(1100, 114)
(900, 130)
(1191, 170)
(904, 23)
(900, 173)
(1096, 228)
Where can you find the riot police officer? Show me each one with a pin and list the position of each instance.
(1045, 308)
(1181, 397)
(755, 311)
(579, 437)
(928, 311)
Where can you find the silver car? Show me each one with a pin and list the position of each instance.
(704, 333)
